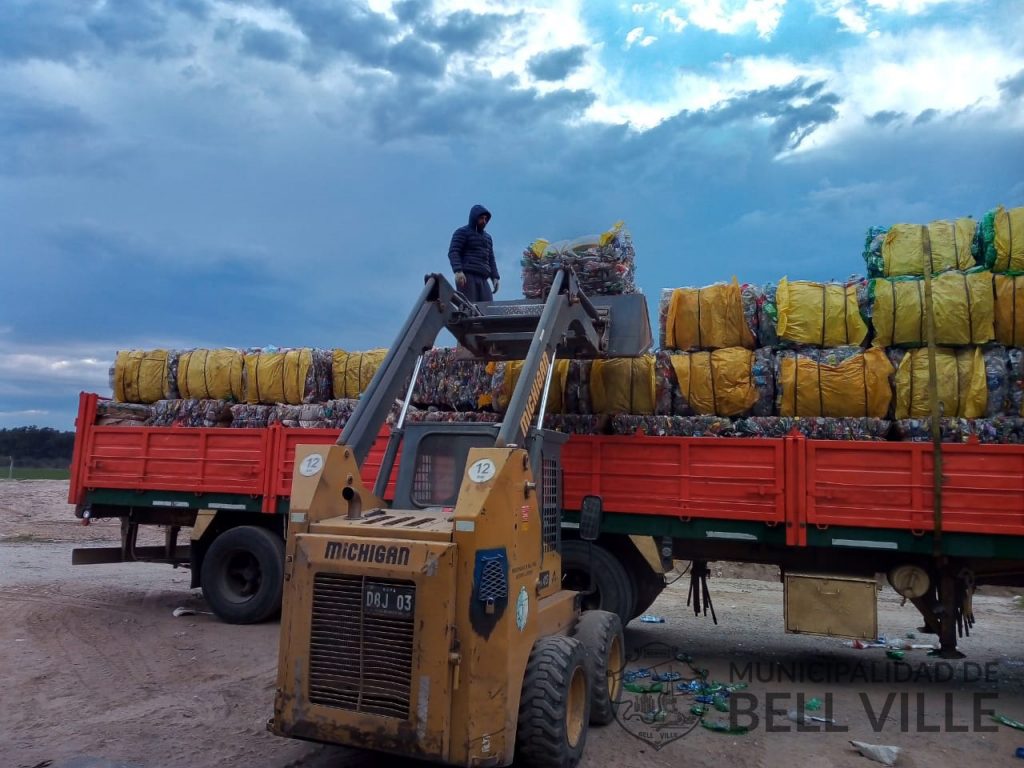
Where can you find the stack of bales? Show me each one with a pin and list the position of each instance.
(709, 369)
(973, 382)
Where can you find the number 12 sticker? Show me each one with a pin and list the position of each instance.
(482, 470)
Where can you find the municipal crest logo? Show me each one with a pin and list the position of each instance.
(652, 705)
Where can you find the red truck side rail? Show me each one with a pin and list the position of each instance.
(788, 481)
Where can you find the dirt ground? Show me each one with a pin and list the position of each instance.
(95, 672)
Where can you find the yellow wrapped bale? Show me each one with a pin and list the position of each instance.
(353, 371)
(961, 386)
(903, 251)
(1008, 292)
(1003, 239)
(844, 382)
(507, 376)
(623, 385)
(718, 383)
(962, 302)
(211, 374)
(277, 377)
(141, 376)
(712, 317)
(819, 314)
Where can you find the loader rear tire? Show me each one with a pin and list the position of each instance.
(243, 575)
(601, 635)
(613, 590)
(554, 709)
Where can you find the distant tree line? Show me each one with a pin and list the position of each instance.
(36, 447)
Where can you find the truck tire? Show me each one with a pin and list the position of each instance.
(554, 709)
(601, 635)
(613, 590)
(648, 587)
(243, 575)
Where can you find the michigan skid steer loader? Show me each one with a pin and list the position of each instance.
(437, 627)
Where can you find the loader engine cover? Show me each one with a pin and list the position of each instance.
(368, 647)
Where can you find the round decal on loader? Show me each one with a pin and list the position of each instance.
(311, 465)
(482, 470)
(522, 608)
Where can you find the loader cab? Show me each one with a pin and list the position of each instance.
(433, 463)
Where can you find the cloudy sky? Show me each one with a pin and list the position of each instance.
(182, 173)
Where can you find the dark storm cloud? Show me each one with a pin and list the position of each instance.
(266, 44)
(557, 65)
(410, 56)
(1012, 88)
(885, 117)
(465, 31)
(343, 28)
(926, 116)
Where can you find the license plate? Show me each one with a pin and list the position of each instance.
(389, 600)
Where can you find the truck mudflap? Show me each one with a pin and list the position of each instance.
(368, 651)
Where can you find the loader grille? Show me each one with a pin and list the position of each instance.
(357, 661)
(551, 495)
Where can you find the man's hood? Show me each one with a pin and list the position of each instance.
(476, 212)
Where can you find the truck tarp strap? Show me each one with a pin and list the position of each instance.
(933, 398)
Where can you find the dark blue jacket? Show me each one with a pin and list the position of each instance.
(472, 249)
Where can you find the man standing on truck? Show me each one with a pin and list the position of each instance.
(471, 254)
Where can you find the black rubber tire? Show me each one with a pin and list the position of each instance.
(613, 589)
(648, 587)
(242, 575)
(556, 664)
(602, 638)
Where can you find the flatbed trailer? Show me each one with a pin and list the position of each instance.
(832, 514)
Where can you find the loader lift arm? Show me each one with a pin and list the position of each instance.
(566, 324)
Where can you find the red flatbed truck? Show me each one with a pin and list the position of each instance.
(832, 514)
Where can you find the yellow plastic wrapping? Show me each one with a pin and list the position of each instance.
(707, 318)
(1009, 240)
(211, 374)
(141, 376)
(822, 314)
(1008, 291)
(353, 371)
(623, 385)
(555, 399)
(962, 302)
(960, 384)
(716, 383)
(277, 377)
(903, 248)
(858, 386)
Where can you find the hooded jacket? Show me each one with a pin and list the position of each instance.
(471, 249)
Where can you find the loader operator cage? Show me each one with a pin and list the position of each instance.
(434, 460)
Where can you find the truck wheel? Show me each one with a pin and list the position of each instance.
(613, 590)
(648, 588)
(243, 574)
(555, 705)
(601, 635)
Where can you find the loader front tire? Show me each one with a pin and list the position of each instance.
(243, 575)
(554, 710)
(601, 635)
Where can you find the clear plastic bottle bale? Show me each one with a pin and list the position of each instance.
(901, 250)
(815, 427)
(1002, 239)
(672, 426)
(605, 264)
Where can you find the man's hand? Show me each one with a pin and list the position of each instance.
(460, 279)
(496, 284)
